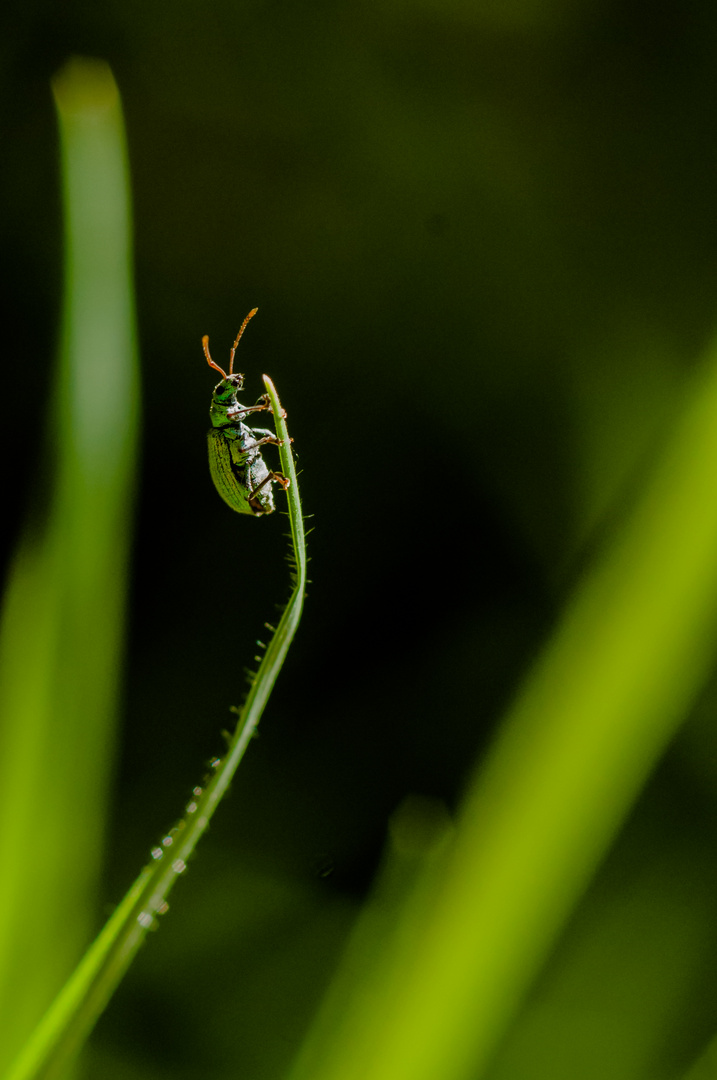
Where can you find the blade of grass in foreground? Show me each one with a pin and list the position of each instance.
(73, 1014)
(705, 1067)
(633, 648)
(63, 618)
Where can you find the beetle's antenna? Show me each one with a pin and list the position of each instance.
(205, 346)
(251, 315)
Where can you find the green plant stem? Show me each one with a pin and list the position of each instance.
(75, 1011)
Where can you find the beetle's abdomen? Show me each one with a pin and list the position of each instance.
(237, 473)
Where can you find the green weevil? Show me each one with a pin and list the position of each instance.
(240, 474)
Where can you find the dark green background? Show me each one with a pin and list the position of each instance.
(483, 243)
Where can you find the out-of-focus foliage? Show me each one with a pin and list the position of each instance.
(64, 612)
(517, 198)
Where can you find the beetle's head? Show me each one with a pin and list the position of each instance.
(225, 392)
(229, 385)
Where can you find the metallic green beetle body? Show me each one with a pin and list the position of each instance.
(240, 474)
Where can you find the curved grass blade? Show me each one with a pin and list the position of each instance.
(75, 1011)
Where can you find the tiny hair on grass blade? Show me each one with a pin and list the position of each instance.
(73, 1014)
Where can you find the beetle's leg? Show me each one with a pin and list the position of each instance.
(242, 410)
(261, 406)
(267, 400)
(263, 431)
(268, 437)
(266, 404)
(280, 479)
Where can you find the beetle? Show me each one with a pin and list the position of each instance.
(240, 474)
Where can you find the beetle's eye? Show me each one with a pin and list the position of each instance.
(224, 392)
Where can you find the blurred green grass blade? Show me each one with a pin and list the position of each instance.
(634, 646)
(705, 1068)
(62, 623)
(617, 999)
